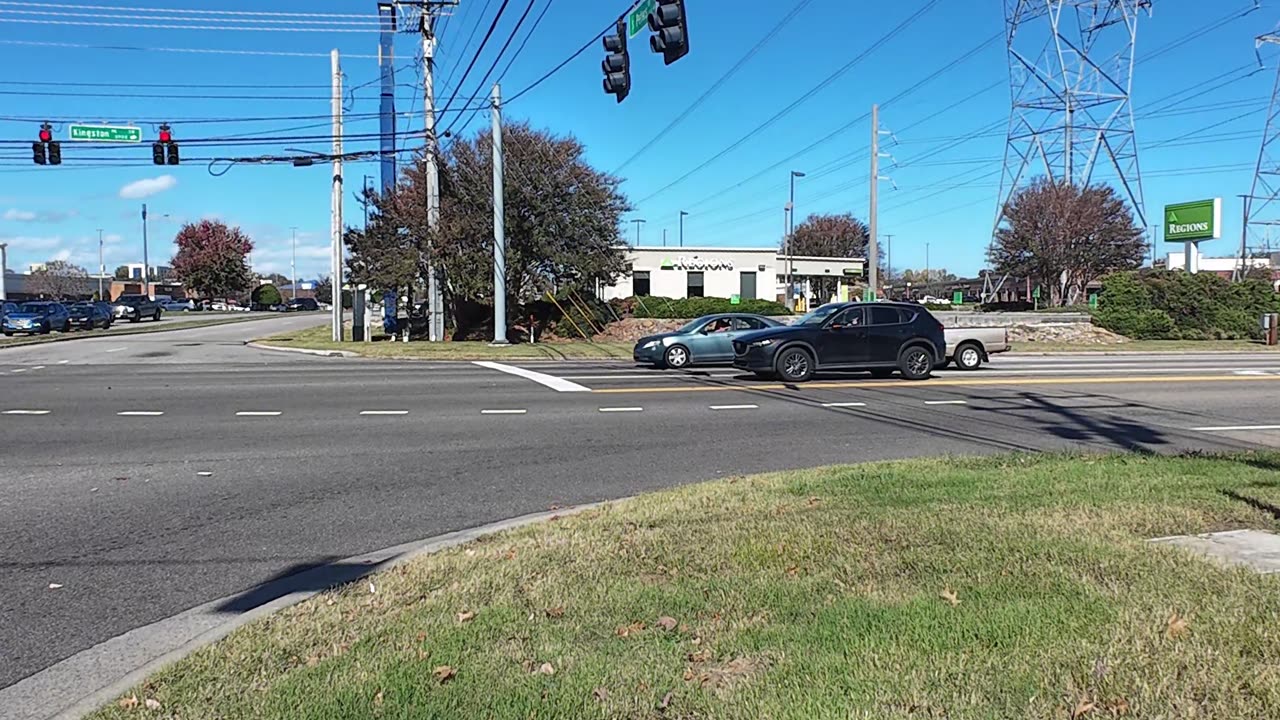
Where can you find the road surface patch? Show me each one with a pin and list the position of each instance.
(555, 383)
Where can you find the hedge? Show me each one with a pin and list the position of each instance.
(687, 308)
(1176, 305)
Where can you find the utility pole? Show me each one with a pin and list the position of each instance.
(4, 268)
(102, 269)
(387, 105)
(146, 268)
(293, 262)
(888, 260)
(791, 230)
(638, 224)
(927, 274)
(435, 294)
(873, 259)
(335, 200)
(682, 214)
(499, 228)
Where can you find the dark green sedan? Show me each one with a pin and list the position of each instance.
(705, 341)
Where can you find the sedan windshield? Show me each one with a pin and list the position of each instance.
(33, 308)
(693, 325)
(817, 315)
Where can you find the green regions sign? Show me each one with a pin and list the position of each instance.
(1192, 221)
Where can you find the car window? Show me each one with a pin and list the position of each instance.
(747, 324)
(33, 308)
(881, 315)
(718, 325)
(848, 316)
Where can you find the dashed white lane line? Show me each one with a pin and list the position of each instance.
(25, 412)
(141, 413)
(621, 409)
(257, 413)
(946, 402)
(733, 407)
(37, 367)
(555, 383)
(1237, 428)
(63, 362)
(499, 411)
(18, 370)
(123, 347)
(384, 412)
(843, 404)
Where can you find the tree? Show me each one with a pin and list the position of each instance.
(562, 219)
(277, 279)
(838, 236)
(59, 279)
(324, 290)
(1066, 236)
(211, 258)
(122, 272)
(933, 275)
(266, 294)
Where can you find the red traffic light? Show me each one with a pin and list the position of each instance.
(46, 135)
(166, 136)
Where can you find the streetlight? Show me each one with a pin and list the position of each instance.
(102, 268)
(638, 223)
(791, 226)
(682, 215)
(293, 263)
(146, 281)
(4, 268)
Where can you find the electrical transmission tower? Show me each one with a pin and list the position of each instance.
(1260, 215)
(1071, 72)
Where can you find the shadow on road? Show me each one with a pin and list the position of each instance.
(302, 577)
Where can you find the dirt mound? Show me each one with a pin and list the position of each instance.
(1077, 333)
(632, 329)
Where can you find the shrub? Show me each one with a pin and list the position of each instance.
(266, 295)
(685, 308)
(1177, 305)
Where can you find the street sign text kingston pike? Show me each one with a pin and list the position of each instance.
(105, 133)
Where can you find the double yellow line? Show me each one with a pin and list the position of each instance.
(872, 385)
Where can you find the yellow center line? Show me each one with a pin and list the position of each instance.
(871, 385)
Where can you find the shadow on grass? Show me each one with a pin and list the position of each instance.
(1256, 504)
(301, 577)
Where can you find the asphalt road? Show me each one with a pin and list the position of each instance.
(149, 474)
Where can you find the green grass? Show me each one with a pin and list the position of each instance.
(318, 338)
(141, 328)
(1147, 346)
(813, 594)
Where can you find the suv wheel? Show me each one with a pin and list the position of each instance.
(915, 363)
(968, 357)
(676, 357)
(794, 365)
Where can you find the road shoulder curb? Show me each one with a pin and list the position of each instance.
(304, 351)
(107, 670)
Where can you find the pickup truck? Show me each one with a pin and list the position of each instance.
(136, 307)
(968, 348)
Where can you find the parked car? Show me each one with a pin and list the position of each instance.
(7, 307)
(303, 305)
(88, 315)
(172, 305)
(136, 307)
(41, 317)
(968, 348)
(705, 341)
(881, 337)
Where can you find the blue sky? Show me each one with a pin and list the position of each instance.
(1201, 143)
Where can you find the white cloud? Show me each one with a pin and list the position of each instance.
(32, 243)
(146, 188)
(64, 254)
(16, 215)
(111, 238)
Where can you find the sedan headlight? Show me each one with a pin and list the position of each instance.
(762, 343)
(651, 345)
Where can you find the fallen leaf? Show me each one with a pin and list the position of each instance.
(128, 703)
(950, 596)
(373, 589)
(667, 623)
(814, 501)
(1177, 625)
(626, 630)
(688, 674)
(511, 554)
(700, 656)
(152, 704)
(377, 699)
(466, 616)
(665, 701)
(555, 612)
(444, 673)
(470, 552)
(600, 694)
(313, 660)
(420, 637)
(54, 586)
(546, 669)
(1084, 707)
(792, 570)
(1118, 707)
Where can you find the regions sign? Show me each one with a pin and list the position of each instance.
(697, 263)
(105, 133)
(1193, 221)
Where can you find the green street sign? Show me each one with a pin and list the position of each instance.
(105, 133)
(638, 18)
(735, 299)
(1191, 221)
(957, 297)
(1036, 293)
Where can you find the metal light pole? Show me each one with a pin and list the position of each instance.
(146, 281)
(102, 269)
(682, 214)
(293, 262)
(926, 267)
(791, 228)
(4, 268)
(664, 237)
(638, 223)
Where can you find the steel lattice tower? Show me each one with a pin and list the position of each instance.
(1259, 210)
(1071, 72)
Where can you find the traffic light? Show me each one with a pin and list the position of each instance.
(172, 154)
(37, 150)
(617, 64)
(45, 151)
(670, 29)
(55, 153)
(157, 153)
(165, 150)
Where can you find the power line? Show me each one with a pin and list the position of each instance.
(205, 28)
(211, 51)
(179, 18)
(479, 49)
(252, 13)
(558, 67)
(497, 59)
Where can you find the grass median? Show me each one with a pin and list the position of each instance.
(318, 338)
(1014, 587)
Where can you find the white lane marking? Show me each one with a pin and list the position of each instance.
(122, 347)
(946, 402)
(1236, 428)
(843, 404)
(503, 412)
(63, 362)
(257, 413)
(555, 383)
(621, 409)
(384, 412)
(141, 413)
(733, 407)
(25, 412)
(649, 376)
(18, 370)
(37, 367)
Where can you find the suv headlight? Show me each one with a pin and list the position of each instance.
(762, 343)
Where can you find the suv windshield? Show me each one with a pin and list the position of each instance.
(33, 308)
(130, 299)
(816, 316)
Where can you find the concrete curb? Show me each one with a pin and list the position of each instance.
(304, 351)
(88, 680)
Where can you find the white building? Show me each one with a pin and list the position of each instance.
(749, 273)
(1219, 265)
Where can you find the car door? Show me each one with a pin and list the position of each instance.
(886, 333)
(843, 339)
(714, 341)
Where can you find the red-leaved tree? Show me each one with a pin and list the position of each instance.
(211, 258)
